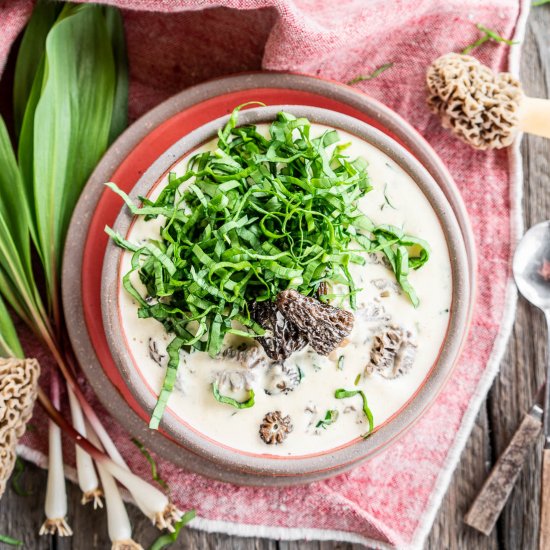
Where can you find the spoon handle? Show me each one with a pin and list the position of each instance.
(544, 540)
(544, 537)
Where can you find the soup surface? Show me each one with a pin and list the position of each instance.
(387, 356)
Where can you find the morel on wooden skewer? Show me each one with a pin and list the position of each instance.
(484, 109)
(18, 387)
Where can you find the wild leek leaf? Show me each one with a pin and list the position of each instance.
(30, 55)
(115, 28)
(9, 342)
(13, 204)
(72, 122)
(17, 283)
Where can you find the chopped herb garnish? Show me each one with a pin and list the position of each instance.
(540, 3)
(357, 379)
(12, 542)
(386, 199)
(154, 470)
(18, 471)
(488, 35)
(343, 394)
(168, 538)
(330, 418)
(371, 76)
(340, 362)
(233, 402)
(261, 215)
(300, 372)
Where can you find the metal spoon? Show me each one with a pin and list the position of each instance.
(532, 274)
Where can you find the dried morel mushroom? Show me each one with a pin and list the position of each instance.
(479, 106)
(393, 352)
(18, 387)
(275, 427)
(283, 338)
(282, 378)
(324, 326)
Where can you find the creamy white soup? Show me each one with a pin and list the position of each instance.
(387, 355)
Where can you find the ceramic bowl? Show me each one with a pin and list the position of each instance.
(303, 468)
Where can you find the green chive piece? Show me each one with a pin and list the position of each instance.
(488, 35)
(233, 402)
(330, 418)
(343, 394)
(371, 76)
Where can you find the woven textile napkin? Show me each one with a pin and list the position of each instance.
(390, 501)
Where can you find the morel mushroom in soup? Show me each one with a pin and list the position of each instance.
(310, 321)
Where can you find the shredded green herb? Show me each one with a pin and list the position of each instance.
(11, 541)
(371, 76)
(343, 394)
(357, 379)
(330, 418)
(340, 362)
(256, 216)
(488, 35)
(233, 402)
(540, 3)
(18, 471)
(168, 538)
(154, 470)
(387, 199)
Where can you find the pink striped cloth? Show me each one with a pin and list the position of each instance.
(391, 500)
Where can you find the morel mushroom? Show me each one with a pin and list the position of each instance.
(484, 109)
(18, 388)
(323, 325)
(283, 337)
(282, 378)
(393, 353)
(275, 428)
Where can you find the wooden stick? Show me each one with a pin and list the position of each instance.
(534, 116)
(544, 540)
(488, 504)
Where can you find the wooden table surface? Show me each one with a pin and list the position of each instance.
(522, 371)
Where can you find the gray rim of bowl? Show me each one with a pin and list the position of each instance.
(78, 230)
(332, 457)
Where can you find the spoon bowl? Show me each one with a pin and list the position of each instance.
(531, 265)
